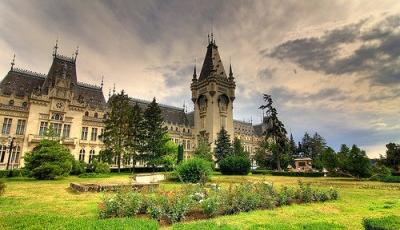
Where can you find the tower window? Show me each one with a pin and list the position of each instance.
(96, 115)
(86, 113)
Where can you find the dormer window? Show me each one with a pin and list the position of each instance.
(11, 102)
(86, 114)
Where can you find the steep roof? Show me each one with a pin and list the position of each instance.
(62, 66)
(171, 114)
(21, 82)
(91, 94)
(212, 63)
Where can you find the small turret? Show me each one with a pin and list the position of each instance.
(13, 63)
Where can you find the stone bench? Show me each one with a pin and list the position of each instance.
(148, 178)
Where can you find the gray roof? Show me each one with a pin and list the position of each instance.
(247, 128)
(212, 63)
(21, 82)
(171, 114)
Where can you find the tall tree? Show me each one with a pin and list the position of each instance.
(203, 150)
(393, 156)
(156, 135)
(306, 143)
(223, 146)
(292, 144)
(354, 162)
(136, 134)
(116, 131)
(180, 154)
(275, 131)
(238, 148)
(329, 159)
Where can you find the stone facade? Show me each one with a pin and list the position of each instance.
(31, 102)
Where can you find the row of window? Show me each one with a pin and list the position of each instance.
(185, 143)
(59, 129)
(7, 122)
(82, 155)
(15, 154)
(95, 115)
(93, 135)
(177, 129)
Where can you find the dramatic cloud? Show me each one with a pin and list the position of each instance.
(331, 66)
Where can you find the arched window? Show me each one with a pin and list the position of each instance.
(176, 129)
(184, 130)
(223, 101)
(96, 115)
(57, 117)
(86, 114)
(11, 102)
(202, 103)
(91, 156)
(82, 155)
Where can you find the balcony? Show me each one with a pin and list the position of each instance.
(64, 140)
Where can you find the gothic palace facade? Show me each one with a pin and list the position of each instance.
(31, 102)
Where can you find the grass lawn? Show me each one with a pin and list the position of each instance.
(32, 204)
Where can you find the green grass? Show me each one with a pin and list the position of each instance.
(32, 204)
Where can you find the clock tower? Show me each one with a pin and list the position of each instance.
(213, 93)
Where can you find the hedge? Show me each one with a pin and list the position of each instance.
(390, 179)
(298, 174)
(12, 173)
(261, 171)
(383, 223)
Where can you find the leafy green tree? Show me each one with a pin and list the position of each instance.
(393, 156)
(266, 155)
(170, 155)
(116, 131)
(156, 137)
(136, 135)
(180, 154)
(329, 159)
(203, 150)
(223, 146)
(48, 160)
(354, 162)
(275, 132)
(238, 149)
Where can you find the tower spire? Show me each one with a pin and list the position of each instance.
(76, 53)
(230, 70)
(194, 71)
(109, 93)
(55, 48)
(13, 62)
(114, 89)
(102, 81)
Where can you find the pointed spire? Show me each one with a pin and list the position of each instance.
(76, 53)
(102, 82)
(114, 89)
(194, 72)
(55, 48)
(230, 71)
(109, 93)
(13, 62)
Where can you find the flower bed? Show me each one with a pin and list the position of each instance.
(194, 202)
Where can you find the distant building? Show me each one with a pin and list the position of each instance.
(31, 102)
(303, 164)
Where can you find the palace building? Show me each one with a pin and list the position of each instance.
(31, 102)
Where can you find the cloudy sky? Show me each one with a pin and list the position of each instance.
(331, 66)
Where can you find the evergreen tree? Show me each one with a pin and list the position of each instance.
(393, 156)
(354, 162)
(156, 135)
(136, 133)
(306, 144)
(116, 131)
(203, 150)
(329, 159)
(275, 132)
(292, 144)
(238, 148)
(180, 154)
(223, 146)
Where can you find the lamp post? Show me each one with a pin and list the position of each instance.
(11, 143)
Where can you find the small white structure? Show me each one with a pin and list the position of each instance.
(148, 178)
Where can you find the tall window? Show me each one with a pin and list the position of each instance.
(3, 150)
(15, 154)
(57, 117)
(66, 130)
(91, 155)
(93, 137)
(82, 155)
(84, 133)
(43, 128)
(188, 144)
(57, 127)
(20, 127)
(6, 126)
(184, 144)
(101, 134)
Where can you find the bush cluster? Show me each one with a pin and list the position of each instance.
(298, 174)
(12, 173)
(195, 170)
(383, 223)
(235, 165)
(174, 206)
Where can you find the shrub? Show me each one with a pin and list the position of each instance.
(2, 187)
(210, 206)
(239, 198)
(235, 165)
(298, 174)
(48, 160)
(78, 167)
(383, 223)
(176, 207)
(102, 168)
(194, 171)
(93, 175)
(267, 193)
(304, 193)
(12, 173)
(285, 197)
(122, 204)
(390, 179)
(155, 207)
(333, 194)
